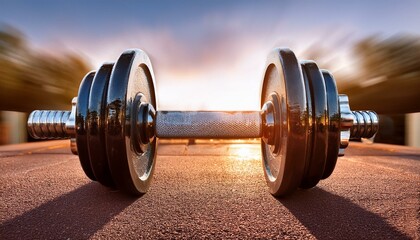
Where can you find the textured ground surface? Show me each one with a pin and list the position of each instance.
(209, 191)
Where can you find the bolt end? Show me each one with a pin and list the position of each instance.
(365, 124)
(48, 124)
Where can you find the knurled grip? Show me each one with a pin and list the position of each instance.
(208, 124)
(48, 124)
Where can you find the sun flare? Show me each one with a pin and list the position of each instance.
(245, 151)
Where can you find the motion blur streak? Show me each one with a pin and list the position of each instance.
(33, 79)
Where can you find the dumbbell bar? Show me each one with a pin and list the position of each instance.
(113, 124)
(195, 124)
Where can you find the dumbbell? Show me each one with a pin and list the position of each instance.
(304, 125)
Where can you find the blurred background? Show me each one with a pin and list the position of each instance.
(211, 55)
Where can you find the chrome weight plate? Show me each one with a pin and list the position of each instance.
(81, 124)
(333, 123)
(284, 162)
(96, 126)
(318, 124)
(131, 77)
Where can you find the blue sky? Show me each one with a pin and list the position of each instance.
(207, 54)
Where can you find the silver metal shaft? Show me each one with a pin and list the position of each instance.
(193, 124)
(48, 124)
(52, 124)
(208, 124)
(365, 124)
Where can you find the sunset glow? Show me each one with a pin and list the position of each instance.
(208, 55)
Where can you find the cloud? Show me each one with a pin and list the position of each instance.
(206, 55)
(214, 63)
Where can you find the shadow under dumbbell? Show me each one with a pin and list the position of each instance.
(329, 216)
(76, 215)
